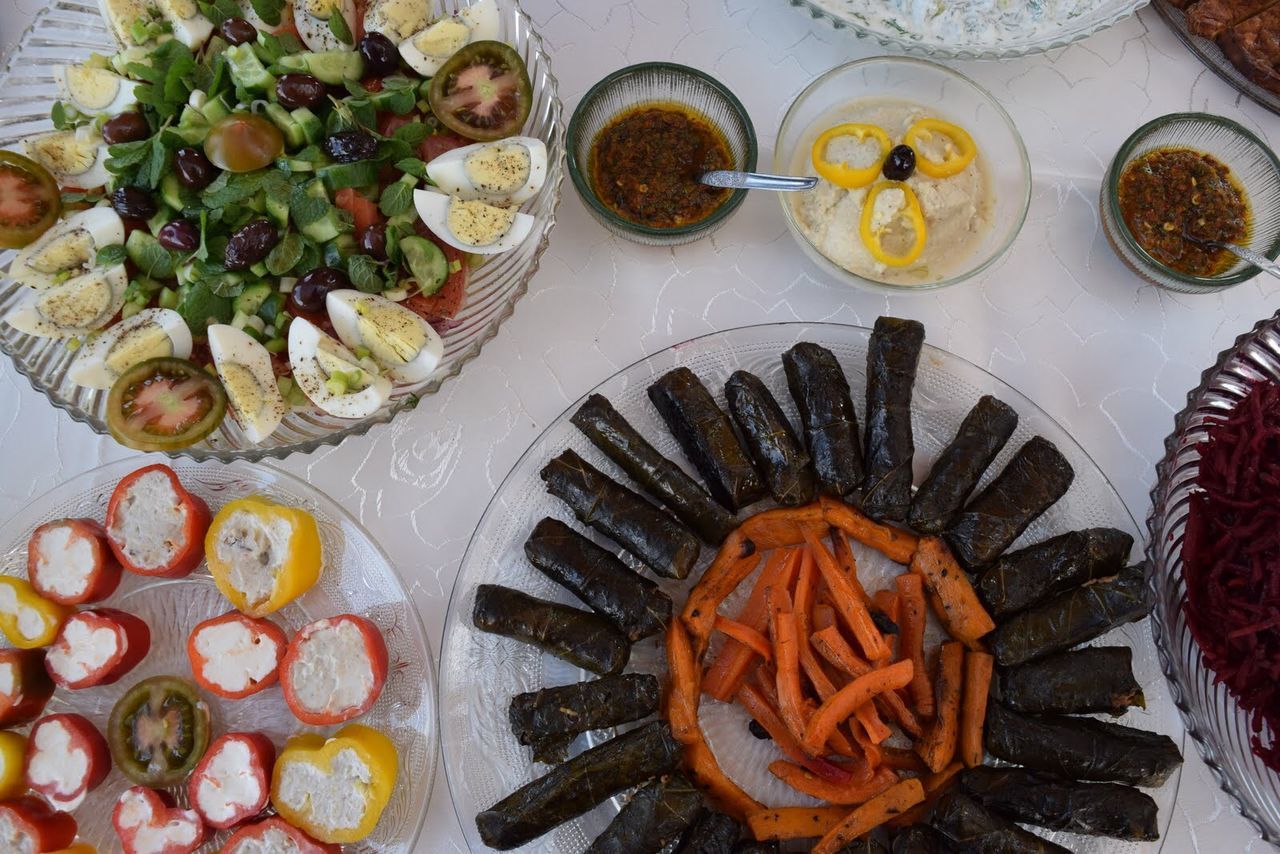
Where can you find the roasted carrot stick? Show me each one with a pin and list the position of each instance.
(832, 646)
(848, 605)
(938, 746)
(902, 759)
(934, 786)
(702, 765)
(911, 639)
(758, 707)
(851, 793)
(858, 692)
(973, 712)
(787, 657)
(887, 601)
(794, 822)
(727, 672)
(875, 812)
(745, 635)
(824, 615)
(736, 560)
(783, 526)
(893, 543)
(682, 695)
(952, 595)
(848, 563)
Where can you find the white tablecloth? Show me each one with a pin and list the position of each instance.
(1059, 318)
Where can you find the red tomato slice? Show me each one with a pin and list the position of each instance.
(438, 143)
(389, 123)
(364, 213)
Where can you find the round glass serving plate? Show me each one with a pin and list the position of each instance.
(481, 672)
(357, 578)
(66, 31)
(987, 36)
(1213, 719)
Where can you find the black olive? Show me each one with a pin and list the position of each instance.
(193, 168)
(758, 731)
(380, 55)
(238, 31)
(373, 241)
(309, 291)
(129, 126)
(180, 235)
(250, 244)
(299, 90)
(350, 146)
(133, 203)
(900, 163)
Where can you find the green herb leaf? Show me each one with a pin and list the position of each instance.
(225, 286)
(58, 115)
(413, 133)
(230, 188)
(153, 259)
(305, 209)
(366, 274)
(200, 306)
(111, 255)
(268, 10)
(285, 254)
(338, 26)
(396, 199)
(310, 258)
(218, 11)
(412, 166)
(158, 163)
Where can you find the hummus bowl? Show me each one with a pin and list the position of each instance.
(972, 217)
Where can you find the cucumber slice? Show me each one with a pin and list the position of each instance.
(292, 131)
(247, 71)
(361, 173)
(426, 262)
(329, 66)
(312, 127)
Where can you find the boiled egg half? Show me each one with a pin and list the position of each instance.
(149, 334)
(244, 366)
(402, 343)
(95, 90)
(70, 246)
(188, 25)
(507, 172)
(331, 376)
(77, 158)
(73, 308)
(311, 17)
(425, 51)
(470, 224)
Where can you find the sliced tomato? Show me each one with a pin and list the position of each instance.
(482, 91)
(29, 200)
(438, 143)
(446, 302)
(364, 213)
(389, 123)
(164, 404)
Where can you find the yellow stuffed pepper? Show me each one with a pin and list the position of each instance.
(335, 789)
(263, 555)
(28, 620)
(12, 748)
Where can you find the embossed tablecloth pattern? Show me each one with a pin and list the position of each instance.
(1059, 318)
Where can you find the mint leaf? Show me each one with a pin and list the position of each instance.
(230, 188)
(412, 166)
(366, 274)
(396, 199)
(268, 10)
(158, 163)
(200, 306)
(338, 26)
(413, 133)
(111, 255)
(305, 209)
(285, 254)
(151, 258)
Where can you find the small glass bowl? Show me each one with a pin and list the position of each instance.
(959, 100)
(1252, 163)
(659, 83)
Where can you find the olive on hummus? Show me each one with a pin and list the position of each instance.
(902, 196)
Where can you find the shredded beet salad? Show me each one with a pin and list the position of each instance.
(1231, 558)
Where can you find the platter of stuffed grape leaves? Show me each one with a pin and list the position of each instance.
(776, 587)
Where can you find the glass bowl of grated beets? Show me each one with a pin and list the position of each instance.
(1215, 571)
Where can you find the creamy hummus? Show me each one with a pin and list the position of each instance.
(957, 210)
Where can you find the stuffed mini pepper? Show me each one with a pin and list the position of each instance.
(154, 526)
(97, 648)
(25, 686)
(29, 824)
(235, 656)
(334, 670)
(233, 781)
(66, 758)
(69, 561)
(147, 822)
(27, 619)
(263, 555)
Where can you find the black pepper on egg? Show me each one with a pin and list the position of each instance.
(900, 164)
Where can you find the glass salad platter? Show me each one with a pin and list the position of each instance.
(481, 672)
(357, 578)
(964, 29)
(65, 33)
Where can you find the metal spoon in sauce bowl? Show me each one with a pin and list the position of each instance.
(735, 180)
(1257, 259)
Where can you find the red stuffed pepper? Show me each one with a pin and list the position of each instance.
(97, 647)
(147, 823)
(155, 527)
(274, 835)
(233, 780)
(70, 561)
(29, 824)
(66, 758)
(25, 686)
(234, 656)
(334, 670)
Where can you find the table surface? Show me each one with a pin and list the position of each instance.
(1059, 318)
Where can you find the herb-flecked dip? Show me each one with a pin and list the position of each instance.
(645, 165)
(1171, 190)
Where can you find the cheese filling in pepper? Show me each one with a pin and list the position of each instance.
(887, 205)
(842, 163)
(27, 620)
(263, 555)
(930, 136)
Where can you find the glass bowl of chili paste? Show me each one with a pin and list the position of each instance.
(638, 142)
(1198, 175)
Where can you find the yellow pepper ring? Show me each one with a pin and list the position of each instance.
(960, 152)
(840, 173)
(913, 214)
